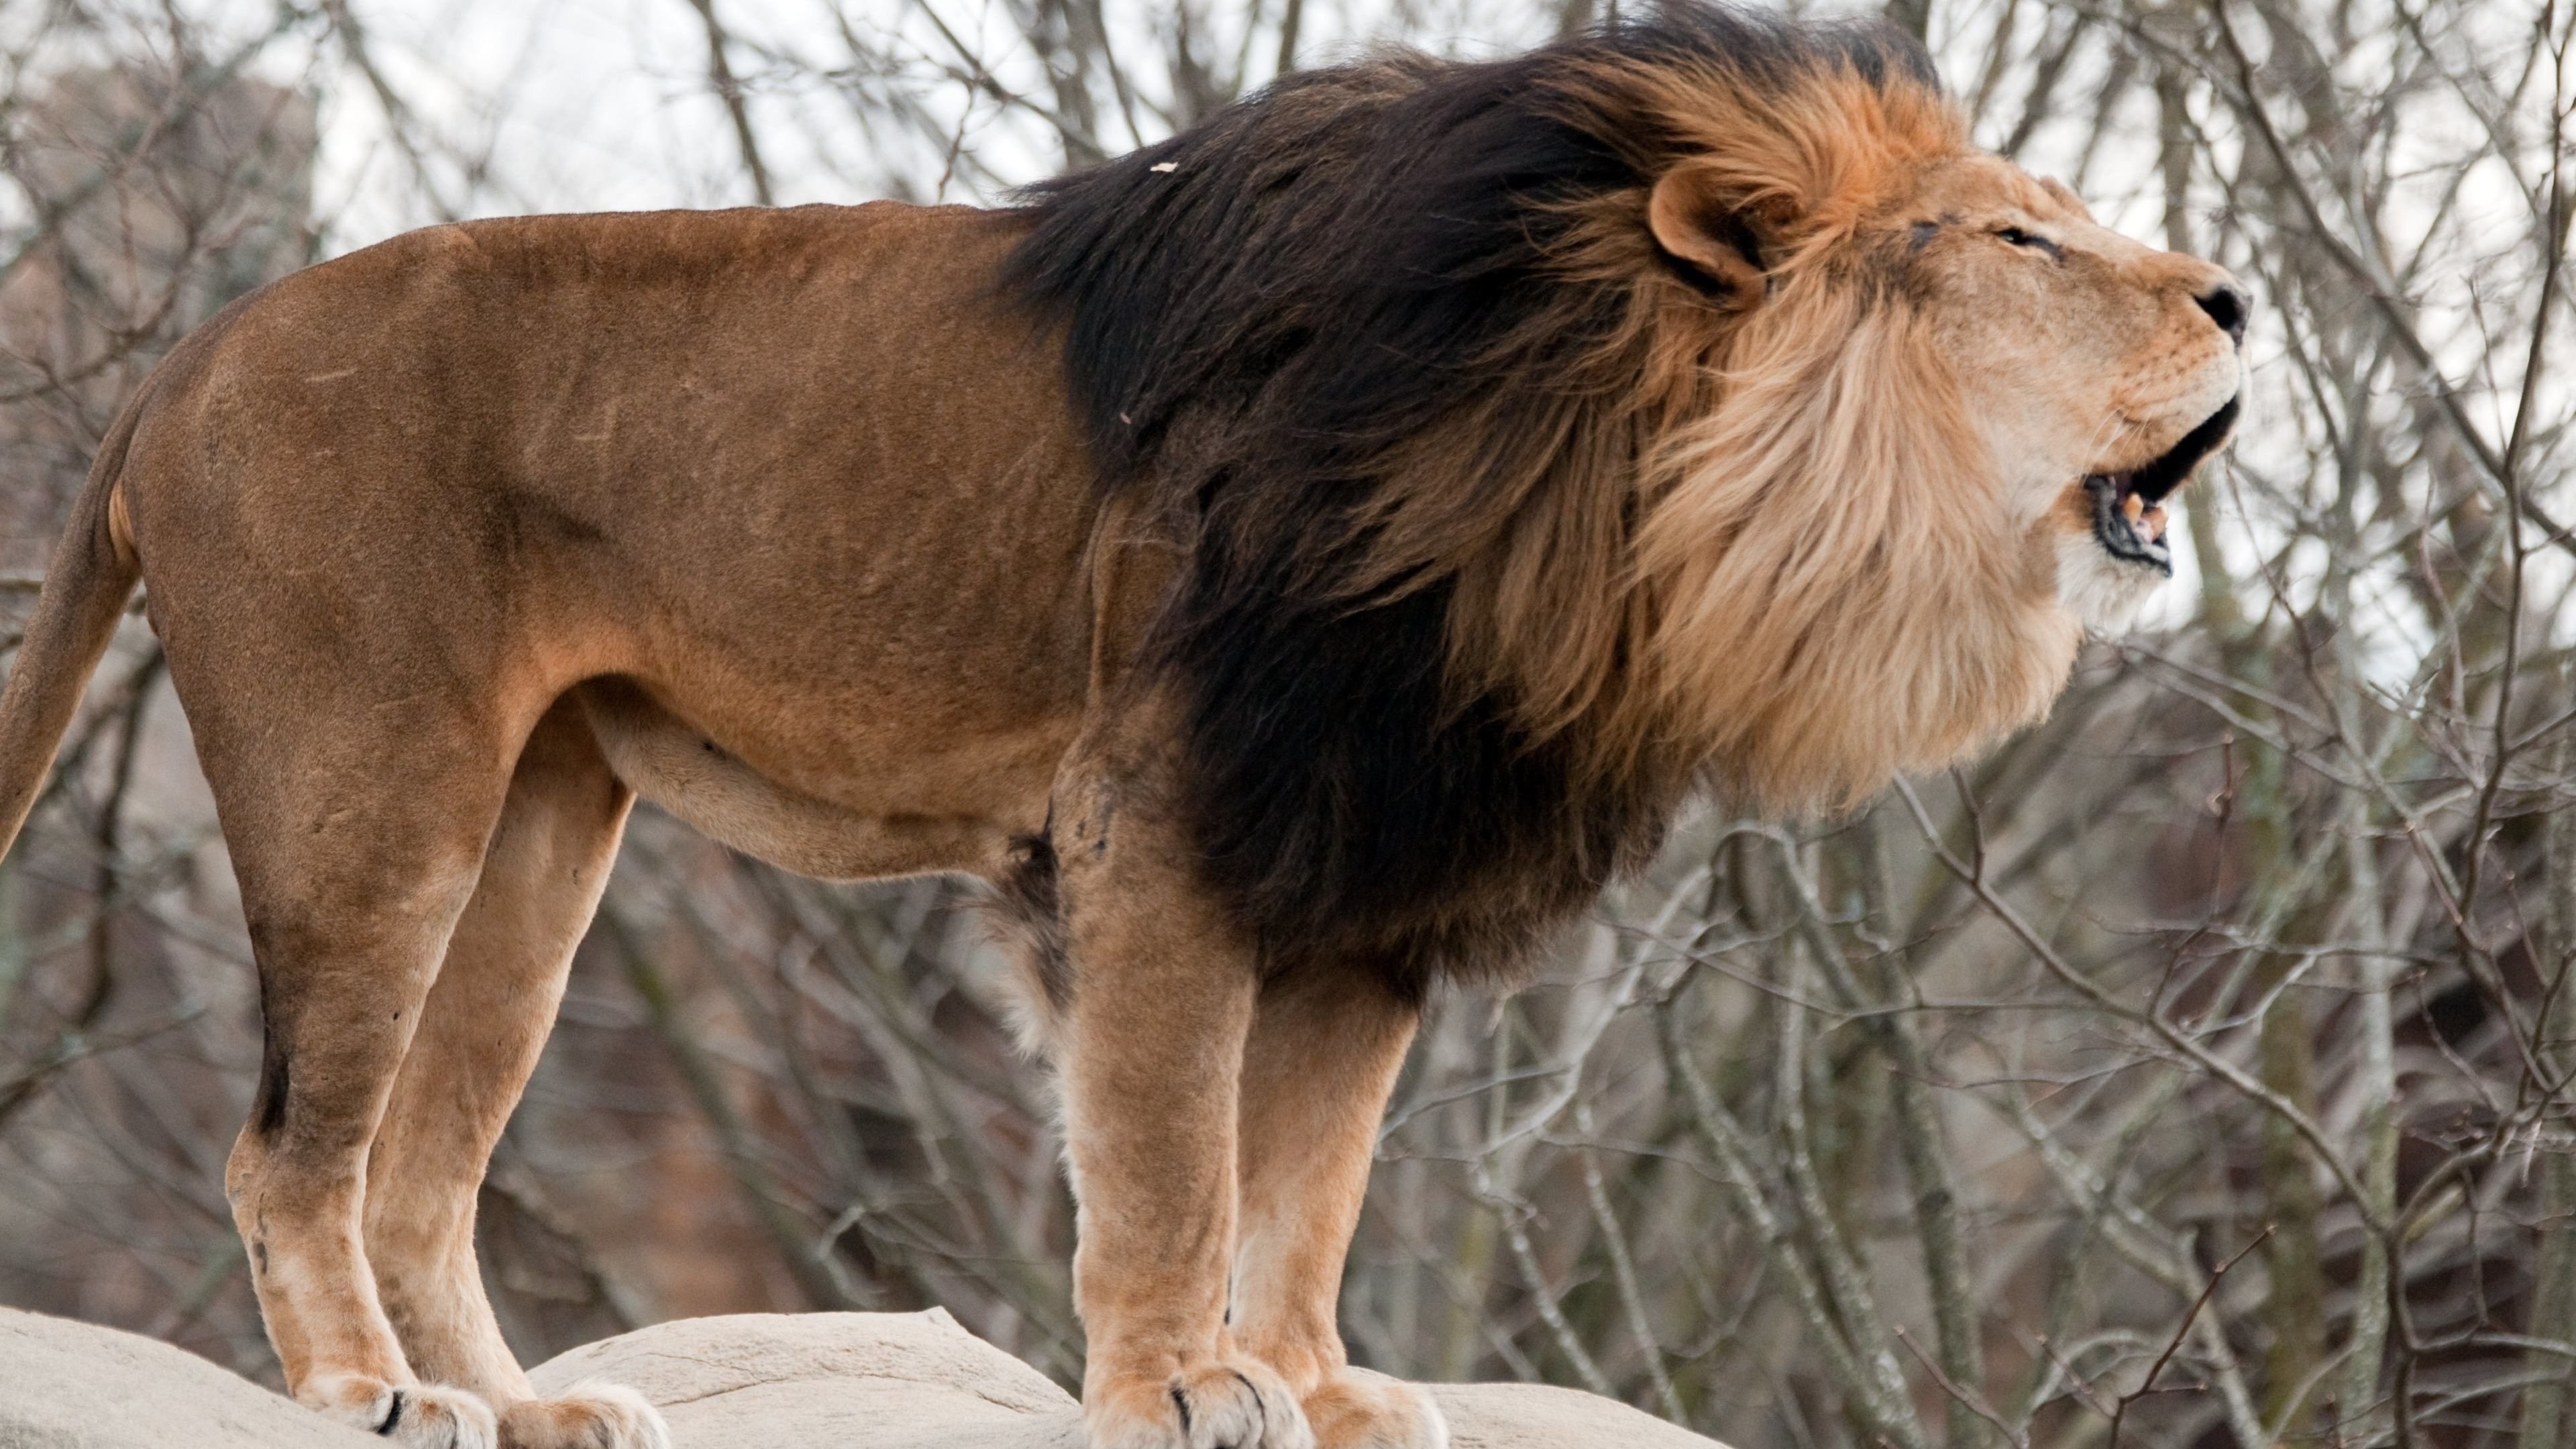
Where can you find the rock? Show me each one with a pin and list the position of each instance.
(770, 1380)
(67, 1385)
(1542, 1416)
(774, 1381)
(918, 1381)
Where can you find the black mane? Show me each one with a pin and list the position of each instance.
(1261, 316)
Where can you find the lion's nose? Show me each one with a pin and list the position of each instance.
(2227, 305)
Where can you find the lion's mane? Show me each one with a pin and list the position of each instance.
(1504, 527)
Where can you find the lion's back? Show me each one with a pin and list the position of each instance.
(689, 423)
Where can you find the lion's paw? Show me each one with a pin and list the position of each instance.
(589, 1415)
(416, 1416)
(1223, 1403)
(1359, 1409)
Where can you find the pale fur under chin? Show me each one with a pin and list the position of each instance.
(2104, 592)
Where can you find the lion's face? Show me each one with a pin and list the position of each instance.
(1953, 412)
(2100, 370)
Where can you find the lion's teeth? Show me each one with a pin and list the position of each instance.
(2151, 522)
(2133, 506)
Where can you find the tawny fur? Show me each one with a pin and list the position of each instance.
(832, 530)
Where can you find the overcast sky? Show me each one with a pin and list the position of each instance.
(587, 104)
(605, 103)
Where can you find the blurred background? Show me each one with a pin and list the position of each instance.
(2195, 1071)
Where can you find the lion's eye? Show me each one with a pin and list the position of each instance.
(2017, 237)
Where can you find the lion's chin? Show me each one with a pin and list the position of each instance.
(2101, 589)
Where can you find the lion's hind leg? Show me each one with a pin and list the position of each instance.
(1320, 1061)
(356, 848)
(481, 1030)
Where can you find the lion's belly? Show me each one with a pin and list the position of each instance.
(680, 769)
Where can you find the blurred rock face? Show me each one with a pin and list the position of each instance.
(154, 198)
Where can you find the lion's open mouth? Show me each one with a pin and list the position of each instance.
(2128, 508)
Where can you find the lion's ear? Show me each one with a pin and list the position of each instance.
(1699, 224)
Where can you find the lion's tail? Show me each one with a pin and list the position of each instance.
(93, 574)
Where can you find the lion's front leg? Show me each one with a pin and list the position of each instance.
(1323, 1054)
(1152, 1053)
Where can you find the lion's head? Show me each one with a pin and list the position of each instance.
(1953, 410)
(1686, 399)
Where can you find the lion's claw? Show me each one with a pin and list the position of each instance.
(415, 1416)
(1358, 1409)
(1220, 1403)
(589, 1415)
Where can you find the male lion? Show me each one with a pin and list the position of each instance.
(1298, 562)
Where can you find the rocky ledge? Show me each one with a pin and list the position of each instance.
(750, 1381)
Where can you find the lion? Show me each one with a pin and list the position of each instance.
(1296, 564)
